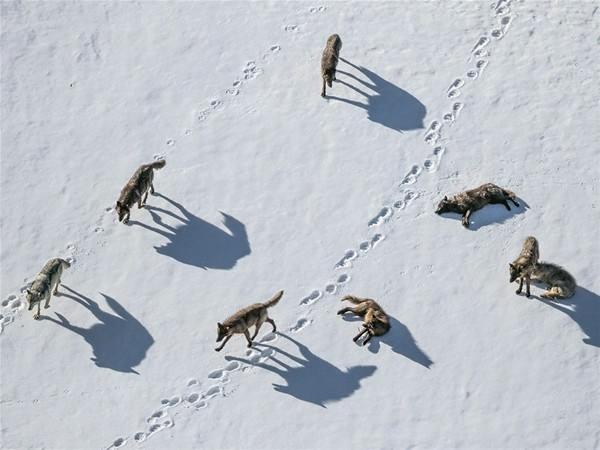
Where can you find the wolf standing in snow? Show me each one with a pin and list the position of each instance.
(524, 265)
(242, 320)
(375, 323)
(137, 188)
(561, 283)
(329, 60)
(46, 284)
(472, 200)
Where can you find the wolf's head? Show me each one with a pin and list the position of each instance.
(221, 331)
(444, 206)
(329, 75)
(122, 210)
(33, 297)
(515, 271)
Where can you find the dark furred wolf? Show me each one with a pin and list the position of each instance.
(524, 265)
(137, 188)
(242, 320)
(329, 60)
(46, 284)
(375, 320)
(561, 283)
(470, 201)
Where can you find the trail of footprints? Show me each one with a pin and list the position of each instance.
(198, 399)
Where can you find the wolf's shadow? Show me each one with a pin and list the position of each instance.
(197, 242)
(119, 341)
(388, 105)
(399, 339)
(584, 309)
(313, 379)
(489, 214)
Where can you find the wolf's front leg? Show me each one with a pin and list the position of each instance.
(518, 291)
(528, 281)
(145, 199)
(257, 327)
(368, 338)
(218, 349)
(151, 188)
(344, 310)
(36, 316)
(465, 219)
(323, 89)
(506, 205)
(47, 303)
(247, 334)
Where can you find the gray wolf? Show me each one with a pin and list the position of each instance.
(45, 284)
(137, 188)
(242, 320)
(329, 60)
(467, 202)
(561, 283)
(375, 321)
(523, 266)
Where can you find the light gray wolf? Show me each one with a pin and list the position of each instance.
(561, 283)
(329, 60)
(46, 284)
(523, 266)
(375, 321)
(467, 202)
(137, 188)
(242, 320)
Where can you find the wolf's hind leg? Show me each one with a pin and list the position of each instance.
(257, 327)
(47, 303)
(528, 281)
(368, 338)
(323, 89)
(357, 337)
(514, 202)
(151, 188)
(344, 310)
(466, 217)
(272, 322)
(145, 199)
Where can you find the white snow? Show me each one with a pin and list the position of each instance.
(268, 186)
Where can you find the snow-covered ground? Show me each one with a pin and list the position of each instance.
(268, 186)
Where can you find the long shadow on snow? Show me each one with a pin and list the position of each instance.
(583, 308)
(389, 105)
(490, 214)
(197, 242)
(400, 340)
(313, 380)
(119, 342)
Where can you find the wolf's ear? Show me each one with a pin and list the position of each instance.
(445, 197)
(512, 266)
(119, 204)
(28, 291)
(220, 325)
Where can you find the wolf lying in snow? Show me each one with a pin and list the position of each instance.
(375, 323)
(137, 188)
(524, 265)
(561, 283)
(46, 284)
(242, 320)
(470, 201)
(329, 60)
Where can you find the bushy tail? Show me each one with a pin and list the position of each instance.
(352, 299)
(158, 164)
(274, 300)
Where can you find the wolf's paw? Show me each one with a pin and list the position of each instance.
(36, 316)
(518, 292)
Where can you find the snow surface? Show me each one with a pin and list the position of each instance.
(268, 186)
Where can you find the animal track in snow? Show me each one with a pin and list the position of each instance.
(343, 279)
(456, 84)
(302, 323)
(318, 9)
(384, 214)
(412, 175)
(311, 298)
(330, 288)
(346, 260)
(482, 42)
(291, 28)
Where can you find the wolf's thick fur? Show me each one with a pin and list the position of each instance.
(329, 60)
(561, 283)
(523, 266)
(375, 320)
(242, 320)
(46, 284)
(467, 202)
(137, 188)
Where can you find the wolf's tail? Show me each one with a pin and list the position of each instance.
(274, 300)
(158, 164)
(352, 299)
